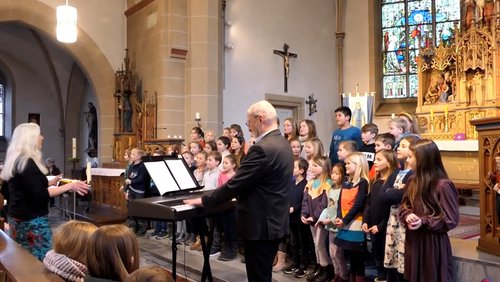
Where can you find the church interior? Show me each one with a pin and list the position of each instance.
(145, 72)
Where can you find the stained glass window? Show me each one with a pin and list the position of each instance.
(408, 25)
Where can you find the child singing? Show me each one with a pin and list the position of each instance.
(314, 202)
(349, 219)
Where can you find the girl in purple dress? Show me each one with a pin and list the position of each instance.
(429, 209)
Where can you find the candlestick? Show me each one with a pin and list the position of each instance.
(88, 171)
(73, 148)
(431, 120)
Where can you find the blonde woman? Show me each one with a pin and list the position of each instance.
(25, 188)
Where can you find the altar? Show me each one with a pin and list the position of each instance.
(461, 160)
(105, 188)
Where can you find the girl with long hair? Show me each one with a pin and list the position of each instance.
(429, 209)
(112, 253)
(290, 130)
(376, 213)
(350, 236)
(396, 185)
(315, 200)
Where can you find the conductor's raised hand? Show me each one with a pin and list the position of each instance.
(194, 202)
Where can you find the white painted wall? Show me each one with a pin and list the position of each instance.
(356, 47)
(252, 70)
(104, 22)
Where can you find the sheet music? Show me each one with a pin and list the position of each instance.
(181, 174)
(161, 176)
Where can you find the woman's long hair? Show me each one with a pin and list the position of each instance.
(361, 167)
(295, 130)
(390, 156)
(22, 147)
(112, 253)
(429, 170)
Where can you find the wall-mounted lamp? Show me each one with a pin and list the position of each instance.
(229, 46)
(197, 118)
(66, 23)
(311, 102)
(227, 22)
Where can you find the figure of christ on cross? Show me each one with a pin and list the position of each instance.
(286, 62)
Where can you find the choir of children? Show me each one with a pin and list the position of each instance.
(402, 207)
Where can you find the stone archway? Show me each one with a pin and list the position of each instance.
(85, 52)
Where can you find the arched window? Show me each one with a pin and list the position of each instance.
(408, 25)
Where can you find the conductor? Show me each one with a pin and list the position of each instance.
(260, 187)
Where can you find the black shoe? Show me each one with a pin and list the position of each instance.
(301, 272)
(290, 269)
(312, 275)
(325, 274)
(228, 255)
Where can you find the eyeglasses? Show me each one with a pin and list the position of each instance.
(248, 122)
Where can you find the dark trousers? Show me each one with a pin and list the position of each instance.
(301, 245)
(259, 257)
(378, 252)
(356, 262)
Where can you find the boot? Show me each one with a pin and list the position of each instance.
(142, 228)
(317, 275)
(311, 276)
(196, 245)
(281, 263)
(325, 275)
(229, 253)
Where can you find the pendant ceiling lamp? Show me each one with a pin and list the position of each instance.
(66, 23)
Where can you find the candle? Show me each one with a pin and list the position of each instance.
(446, 110)
(88, 171)
(393, 115)
(73, 148)
(197, 116)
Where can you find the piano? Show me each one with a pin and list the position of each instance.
(171, 208)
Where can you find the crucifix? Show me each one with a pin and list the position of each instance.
(286, 62)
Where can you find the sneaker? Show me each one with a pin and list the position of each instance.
(300, 273)
(313, 274)
(161, 235)
(227, 256)
(290, 269)
(214, 252)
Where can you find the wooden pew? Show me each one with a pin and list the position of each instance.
(17, 264)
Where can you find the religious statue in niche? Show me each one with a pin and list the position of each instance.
(91, 117)
(441, 88)
(125, 91)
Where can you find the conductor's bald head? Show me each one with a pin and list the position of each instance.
(261, 117)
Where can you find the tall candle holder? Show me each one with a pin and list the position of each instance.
(431, 121)
(446, 120)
